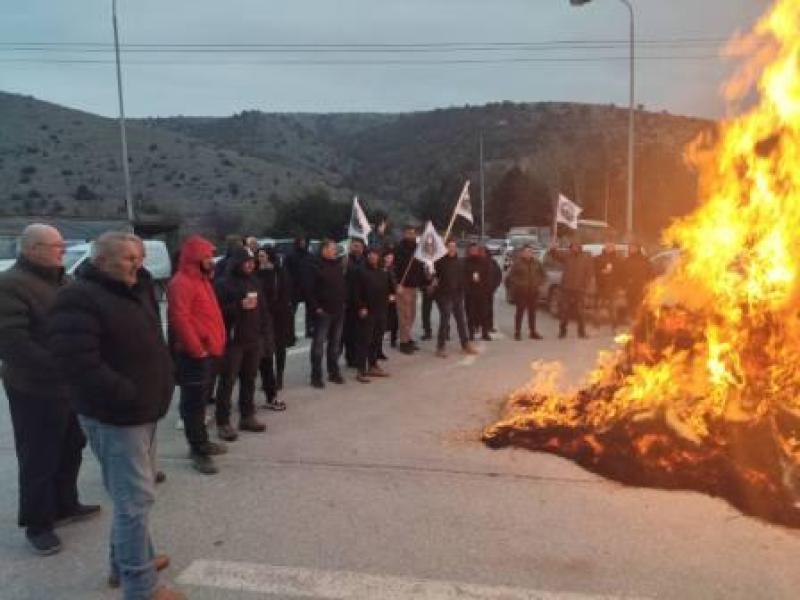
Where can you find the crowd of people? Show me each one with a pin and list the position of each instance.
(88, 359)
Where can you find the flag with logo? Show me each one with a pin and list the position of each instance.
(464, 206)
(567, 212)
(359, 225)
(431, 246)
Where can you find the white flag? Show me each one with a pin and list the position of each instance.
(430, 247)
(359, 226)
(464, 206)
(567, 212)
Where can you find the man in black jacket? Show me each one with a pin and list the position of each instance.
(350, 329)
(110, 345)
(47, 436)
(301, 266)
(476, 284)
(450, 299)
(326, 299)
(373, 290)
(247, 325)
(409, 278)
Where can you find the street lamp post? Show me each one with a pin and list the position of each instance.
(123, 139)
(631, 114)
(483, 191)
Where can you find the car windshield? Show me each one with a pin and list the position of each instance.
(72, 256)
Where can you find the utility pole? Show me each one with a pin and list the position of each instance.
(483, 191)
(123, 138)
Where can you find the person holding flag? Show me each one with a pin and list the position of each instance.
(450, 299)
(408, 271)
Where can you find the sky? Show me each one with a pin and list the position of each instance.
(220, 57)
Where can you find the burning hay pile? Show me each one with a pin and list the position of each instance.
(705, 392)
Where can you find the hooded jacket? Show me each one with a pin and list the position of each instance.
(110, 347)
(195, 320)
(242, 326)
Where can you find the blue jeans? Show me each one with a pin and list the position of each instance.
(327, 328)
(126, 456)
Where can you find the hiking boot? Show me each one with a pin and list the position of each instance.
(250, 423)
(362, 378)
(406, 348)
(317, 382)
(535, 335)
(469, 349)
(227, 433)
(44, 543)
(427, 336)
(441, 353)
(165, 593)
(161, 477)
(160, 562)
(336, 378)
(486, 337)
(275, 405)
(212, 449)
(81, 512)
(203, 463)
(376, 371)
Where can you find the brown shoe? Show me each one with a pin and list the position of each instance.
(441, 353)
(252, 424)
(160, 562)
(469, 349)
(376, 371)
(362, 378)
(165, 593)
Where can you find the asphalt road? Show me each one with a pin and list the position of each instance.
(384, 491)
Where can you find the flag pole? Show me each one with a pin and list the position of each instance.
(555, 223)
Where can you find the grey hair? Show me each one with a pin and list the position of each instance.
(33, 234)
(107, 244)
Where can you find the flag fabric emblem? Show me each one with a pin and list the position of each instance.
(430, 247)
(464, 205)
(567, 212)
(359, 225)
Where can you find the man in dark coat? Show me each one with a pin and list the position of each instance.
(326, 300)
(108, 342)
(391, 318)
(476, 286)
(495, 281)
(47, 437)
(575, 280)
(352, 265)
(608, 281)
(409, 278)
(524, 279)
(247, 325)
(450, 299)
(373, 288)
(637, 272)
(301, 266)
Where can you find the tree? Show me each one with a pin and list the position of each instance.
(437, 201)
(313, 214)
(519, 199)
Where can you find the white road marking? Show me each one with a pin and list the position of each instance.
(468, 360)
(341, 585)
(298, 350)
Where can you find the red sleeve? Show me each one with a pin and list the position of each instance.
(179, 310)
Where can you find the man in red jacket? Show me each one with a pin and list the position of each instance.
(197, 336)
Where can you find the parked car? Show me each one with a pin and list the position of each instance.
(495, 246)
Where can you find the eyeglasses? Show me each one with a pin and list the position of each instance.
(59, 245)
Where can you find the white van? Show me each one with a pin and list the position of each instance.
(156, 260)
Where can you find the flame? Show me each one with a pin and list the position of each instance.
(716, 345)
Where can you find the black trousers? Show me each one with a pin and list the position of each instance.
(526, 303)
(490, 302)
(327, 330)
(370, 336)
(49, 444)
(350, 333)
(196, 378)
(427, 307)
(571, 308)
(477, 313)
(451, 304)
(272, 366)
(392, 323)
(241, 362)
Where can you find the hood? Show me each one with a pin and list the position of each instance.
(194, 251)
(238, 257)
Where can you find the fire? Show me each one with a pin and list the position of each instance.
(706, 392)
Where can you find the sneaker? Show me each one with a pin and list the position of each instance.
(535, 335)
(406, 348)
(44, 543)
(203, 463)
(160, 562)
(362, 378)
(382, 356)
(486, 337)
(275, 405)
(317, 382)
(165, 593)
(376, 371)
(212, 449)
(336, 378)
(441, 353)
(161, 477)
(252, 425)
(81, 512)
(469, 349)
(227, 433)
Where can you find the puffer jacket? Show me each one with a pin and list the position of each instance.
(525, 278)
(195, 320)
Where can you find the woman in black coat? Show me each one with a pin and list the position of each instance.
(277, 287)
